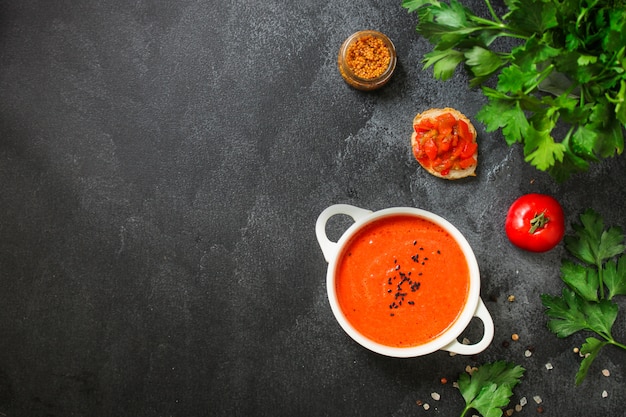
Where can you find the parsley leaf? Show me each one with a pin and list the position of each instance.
(615, 277)
(583, 305)
(582, 280)
(571, 313)
(444, 63)
(505, 114)
(413, 5)
(589, 350)
(489, 388)
(540, 148)
(532, 16)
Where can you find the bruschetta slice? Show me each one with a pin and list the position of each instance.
(444, 143)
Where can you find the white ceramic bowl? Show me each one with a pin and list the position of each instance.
(474, 306)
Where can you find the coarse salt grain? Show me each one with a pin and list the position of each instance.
(528, 353)
(605, 394)
(606, 372)
(549, 366)
(466, 341)
(523, 401)
(435, 396)
(426, 406)
(537, 399)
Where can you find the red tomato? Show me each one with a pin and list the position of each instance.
(535, 222)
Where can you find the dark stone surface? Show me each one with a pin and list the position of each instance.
(162, 165)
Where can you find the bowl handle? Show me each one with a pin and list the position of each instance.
(330, 248)
(483, 314)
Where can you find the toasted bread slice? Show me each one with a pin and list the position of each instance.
(460, 168)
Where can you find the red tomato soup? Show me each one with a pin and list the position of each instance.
(402, 281)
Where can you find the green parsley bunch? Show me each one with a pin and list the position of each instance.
(587, 302)
(565, 72)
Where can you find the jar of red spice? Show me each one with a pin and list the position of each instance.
(367, 59)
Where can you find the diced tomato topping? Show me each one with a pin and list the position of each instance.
(430, 149)
(469, 149)
(456, 153)
(464, 163)
(446, 122)
(463, 130)
(425, 125)
(445, 144)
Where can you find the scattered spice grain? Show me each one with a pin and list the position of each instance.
(606, 372)
(515, 337)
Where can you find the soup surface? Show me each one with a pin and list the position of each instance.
(402, 281)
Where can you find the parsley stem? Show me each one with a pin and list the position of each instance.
(542, 76)
(618, 344)
(493, 13)
(499, 26)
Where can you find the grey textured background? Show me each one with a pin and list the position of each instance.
(162, 165)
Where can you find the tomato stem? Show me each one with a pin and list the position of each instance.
(537, 222)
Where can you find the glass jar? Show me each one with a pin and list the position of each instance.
(367, 60)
